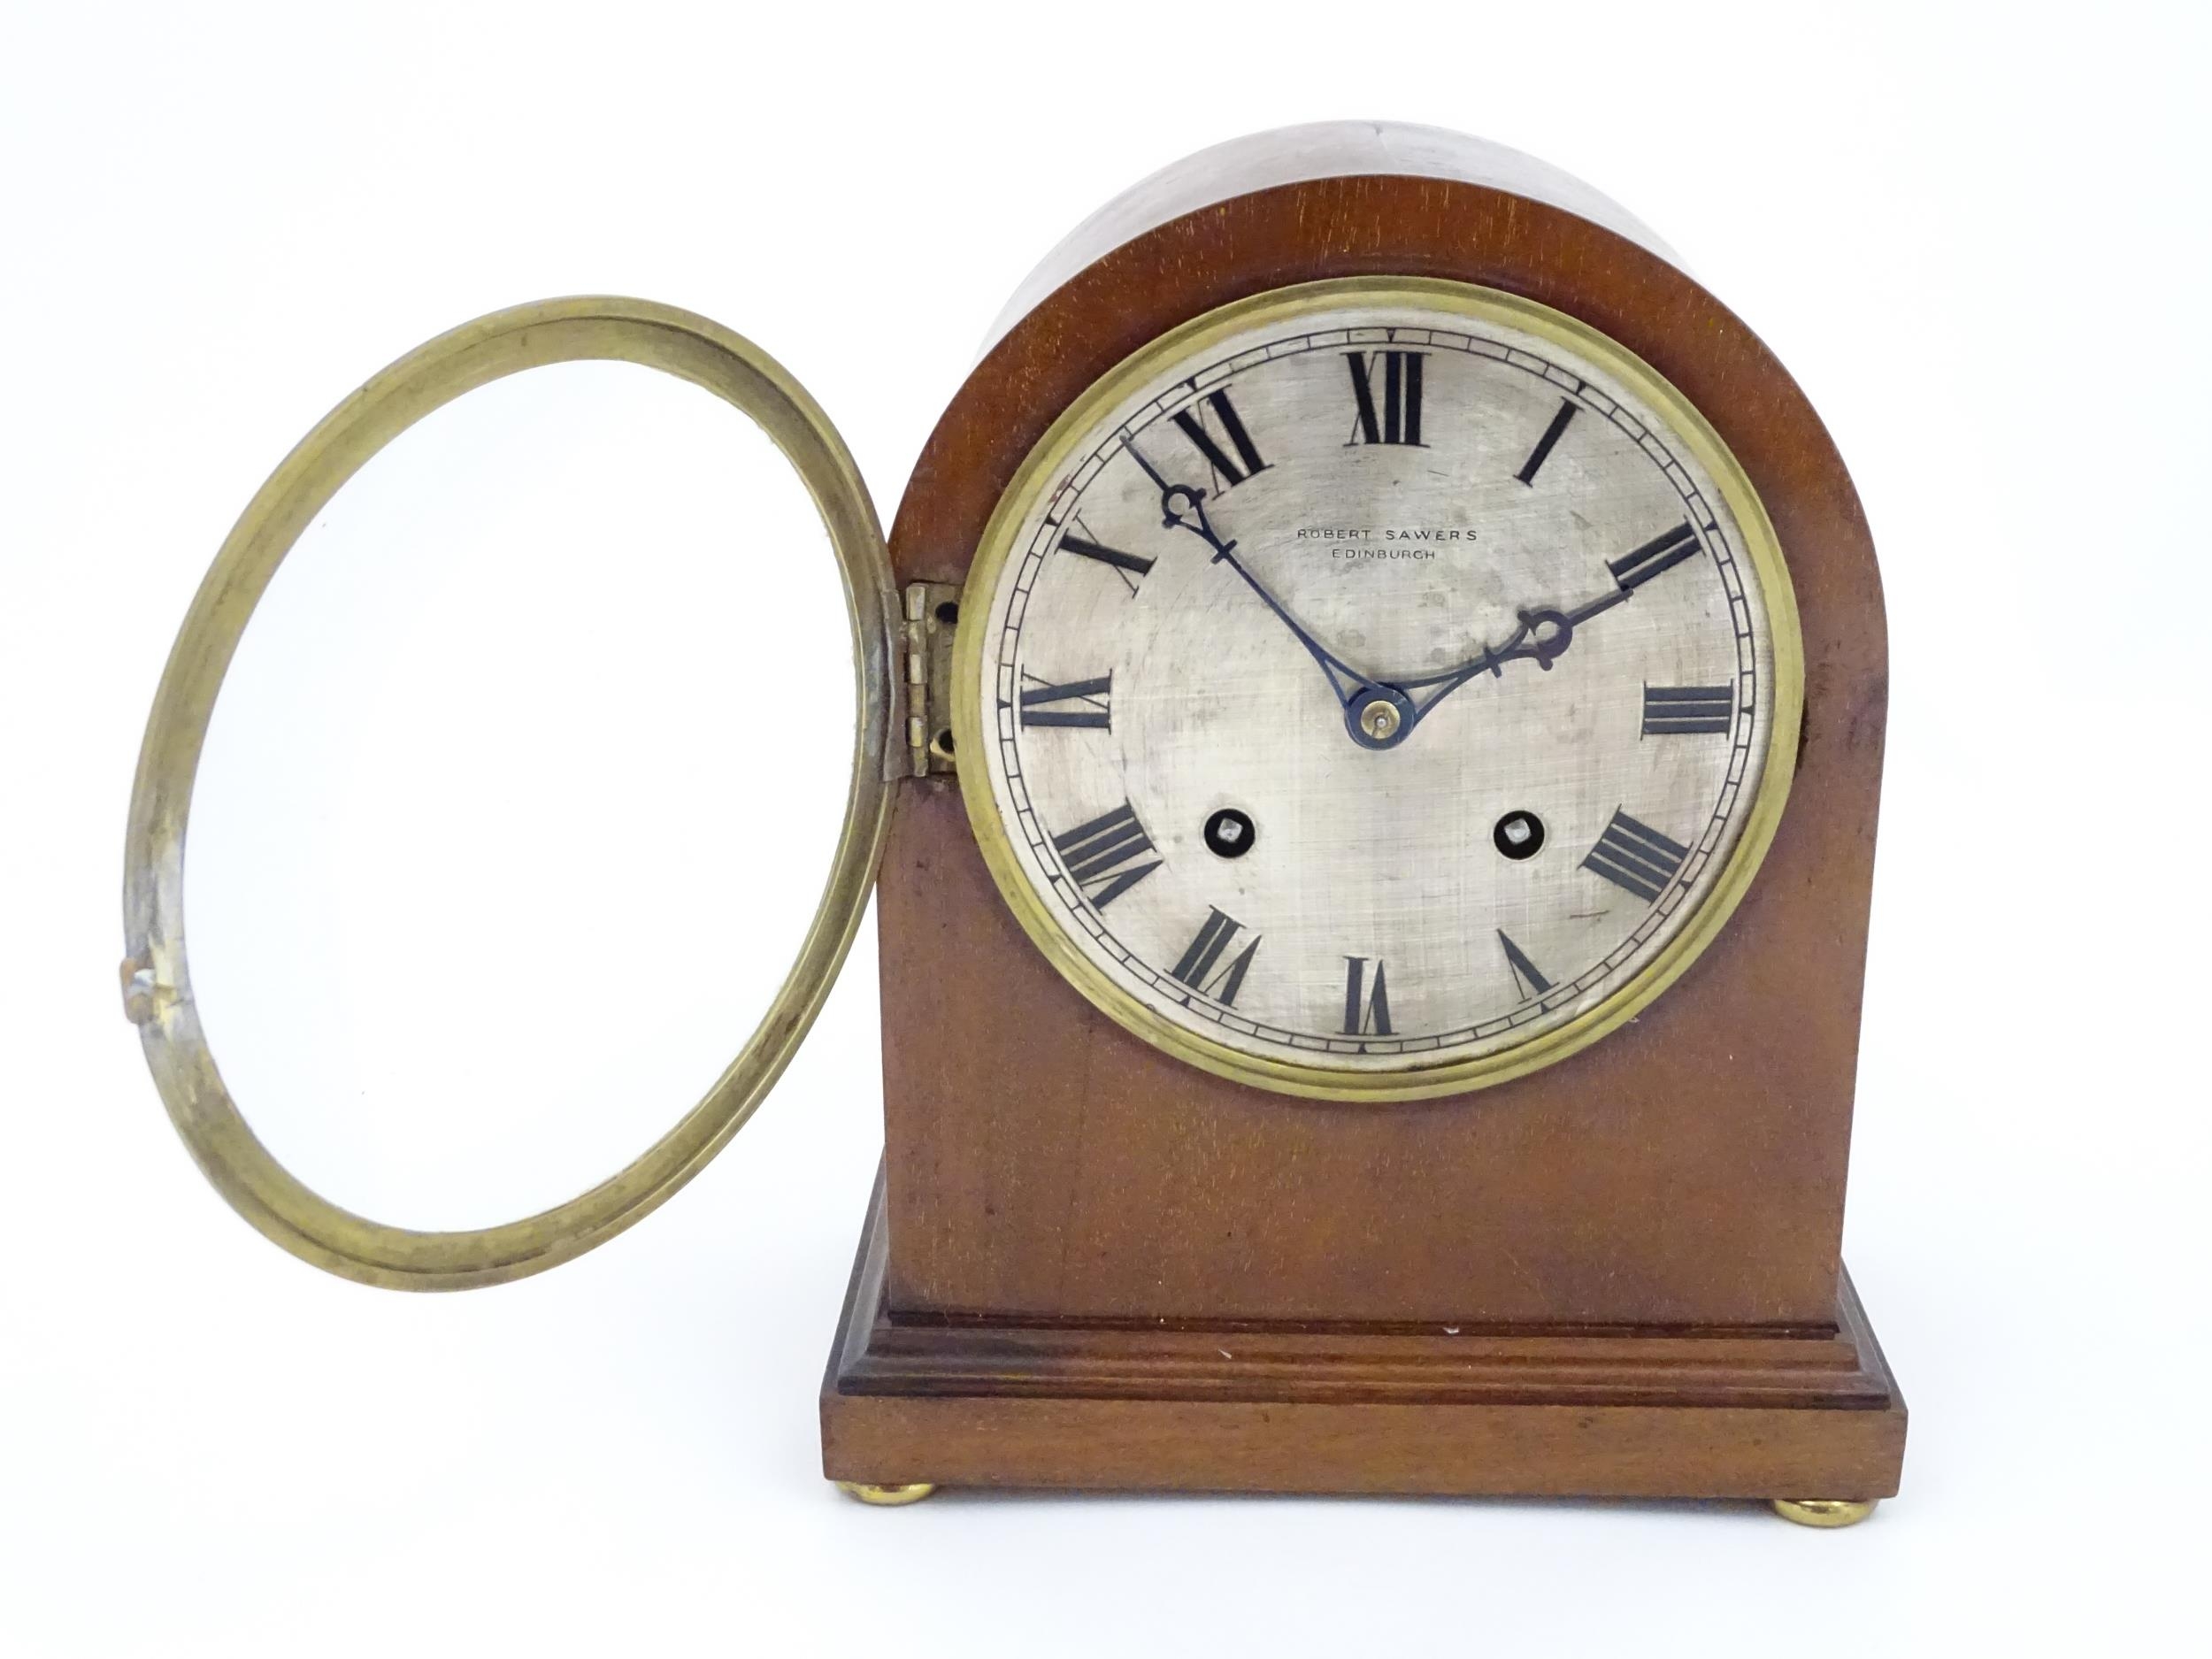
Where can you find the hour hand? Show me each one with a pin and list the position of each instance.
(1542, 637)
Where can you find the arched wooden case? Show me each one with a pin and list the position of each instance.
(1091, 1264)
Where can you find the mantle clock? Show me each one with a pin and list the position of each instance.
(1371, 725)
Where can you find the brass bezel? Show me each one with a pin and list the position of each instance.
(1047, 461)
(158, 982)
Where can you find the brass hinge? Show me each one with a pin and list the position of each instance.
(933, 609)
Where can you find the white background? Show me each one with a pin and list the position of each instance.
(1976, 235)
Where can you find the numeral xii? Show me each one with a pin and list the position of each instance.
(1398, 419)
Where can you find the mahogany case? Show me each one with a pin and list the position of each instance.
(1089, 1263)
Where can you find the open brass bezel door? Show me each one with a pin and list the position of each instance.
(156, 976)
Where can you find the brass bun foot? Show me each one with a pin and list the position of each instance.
(1824, 1511)
(891, 1497)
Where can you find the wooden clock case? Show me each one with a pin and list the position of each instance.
(1089, 1264)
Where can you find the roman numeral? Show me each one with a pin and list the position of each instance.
(1542, 451)
(1128, 566)
(1370, 1013)
(1197, 968)
(1400, 415)
(1227, 473)
(1104, 853)
(1092, 696)
(1661, 554)
(1525, 978)
(1672, 709)
(1636, 857)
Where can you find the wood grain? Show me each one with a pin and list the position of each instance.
(1689, 1168)
(1355, 1409)
(1047, 1169)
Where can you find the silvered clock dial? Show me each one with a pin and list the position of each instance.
(1379, 687)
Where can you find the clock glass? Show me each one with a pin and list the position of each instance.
(1380, 687)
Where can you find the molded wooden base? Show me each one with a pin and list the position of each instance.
(989, 1402)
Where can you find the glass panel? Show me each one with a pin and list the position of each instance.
(520, 795)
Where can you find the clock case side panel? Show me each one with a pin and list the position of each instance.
(1688, 1172)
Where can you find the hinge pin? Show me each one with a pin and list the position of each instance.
(932, 609)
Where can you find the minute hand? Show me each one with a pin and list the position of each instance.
(1184, 507)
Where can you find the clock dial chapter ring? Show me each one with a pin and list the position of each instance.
(1669, 883)
(156, 976)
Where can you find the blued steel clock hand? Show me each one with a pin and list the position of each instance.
(1530, 640)
(1380, 713)
(1183, 506)
(1543, 636)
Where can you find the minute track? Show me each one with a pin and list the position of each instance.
(1269, 1013)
